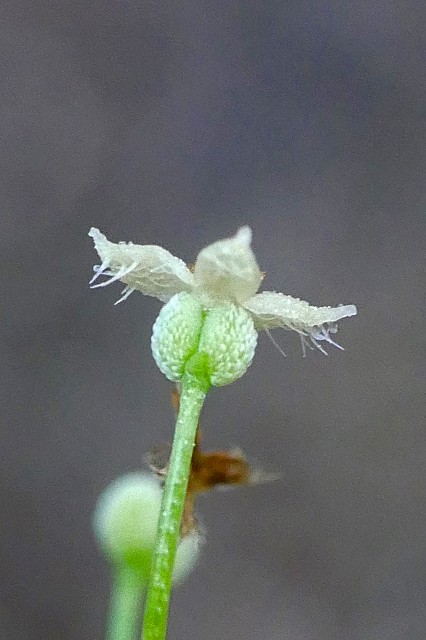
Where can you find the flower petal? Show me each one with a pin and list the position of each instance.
(227, 270)
(270, 309)
(146, 268)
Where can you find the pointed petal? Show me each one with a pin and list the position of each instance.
(146, 268)
(270, 309)
(227, 270)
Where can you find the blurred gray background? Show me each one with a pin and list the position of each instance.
(174, 123)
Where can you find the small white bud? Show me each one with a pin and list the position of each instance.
(125, 524)
(176, 333)
(126, 516)
(187, 555)
(229, 339)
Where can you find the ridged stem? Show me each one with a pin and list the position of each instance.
(193, 392)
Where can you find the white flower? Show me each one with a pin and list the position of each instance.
(225, 272)
(125, 523)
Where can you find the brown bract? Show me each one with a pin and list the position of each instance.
(209, 470)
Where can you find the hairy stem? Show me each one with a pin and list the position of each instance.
(193, 393)
(126, 598)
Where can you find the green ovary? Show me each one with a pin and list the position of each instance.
(225, 333)
(176, 333)
(229, 339)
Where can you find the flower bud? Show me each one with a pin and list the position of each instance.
(125, 524)
(229, 339)
(176, 333)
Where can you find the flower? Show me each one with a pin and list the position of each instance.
(225, 273)
(125, 524)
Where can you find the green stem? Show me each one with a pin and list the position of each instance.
(126, 598)
(193, 392)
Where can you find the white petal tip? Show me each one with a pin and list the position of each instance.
(244, 235)
(94, 233)
(348, 310)
(98, 237)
